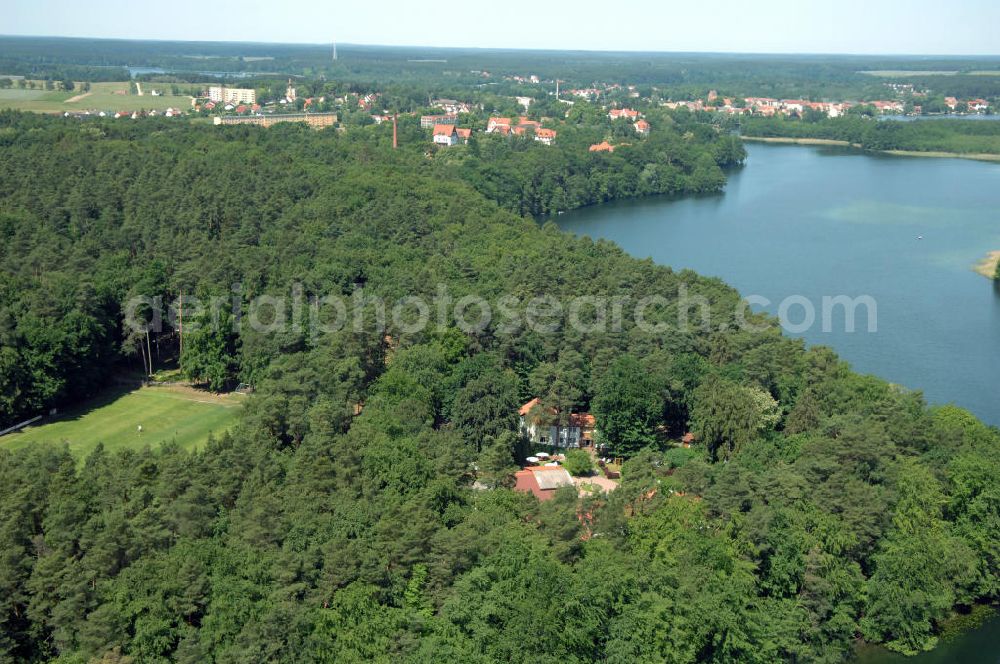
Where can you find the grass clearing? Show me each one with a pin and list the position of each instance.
(108, 97)
(166, 413)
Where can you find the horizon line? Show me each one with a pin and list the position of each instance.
(507, 48)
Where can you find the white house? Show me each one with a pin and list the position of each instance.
(628, 113)
(546, 136)
(539, 428)
(498, 124)
(445, 134)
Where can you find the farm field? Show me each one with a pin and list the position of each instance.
(166, 413)
(102, 97)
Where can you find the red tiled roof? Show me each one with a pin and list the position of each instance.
(523, 410)
(603, 146)
(443, 129)
(524, 480)
(545, 133)
(532, 479)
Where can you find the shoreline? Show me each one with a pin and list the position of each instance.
(788, 140)
(800, 141)
(988, 266)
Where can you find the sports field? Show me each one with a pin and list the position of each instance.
(108, 97)
(165, 413)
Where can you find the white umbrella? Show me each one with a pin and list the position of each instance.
(532, 459)
(542, 455)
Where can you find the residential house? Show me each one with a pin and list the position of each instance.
(696, 105)
(542, 481)
(795, 105)
(540, 428)
(888, 106)
(445, 134)
(451, 106)
(642, 128)
(497, 125)
(761, 102)
(978, 105)
(428, 121)
(951, 103)
(628, 113)
(546, 136)
(603, 146)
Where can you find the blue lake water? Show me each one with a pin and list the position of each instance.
(815, 222)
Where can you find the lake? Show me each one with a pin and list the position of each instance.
(980, 645)
(815, 222)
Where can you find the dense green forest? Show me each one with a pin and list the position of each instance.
(817, 506)
(958, 136)
(440, 69)
(69, 211)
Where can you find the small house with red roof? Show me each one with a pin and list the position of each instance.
(445, 134)
(501, 125)
(627, 113)
(546, 136)
(642, 128)
(542, 481)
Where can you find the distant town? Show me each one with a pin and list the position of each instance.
(451, 122)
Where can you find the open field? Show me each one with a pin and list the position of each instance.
(39, 101)
(102, 97)
(166, 413)
(908, 72)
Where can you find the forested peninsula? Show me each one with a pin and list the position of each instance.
(361, 510)
(975, 139)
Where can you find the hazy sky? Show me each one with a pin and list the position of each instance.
(812, 26)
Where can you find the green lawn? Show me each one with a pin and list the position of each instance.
(41, 101)
(109, 97)
(165, 413)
